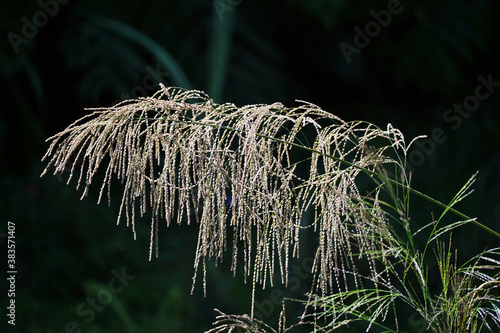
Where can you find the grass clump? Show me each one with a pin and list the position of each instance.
(234, 172)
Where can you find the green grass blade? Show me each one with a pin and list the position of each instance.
(218, 53)
(163, 57)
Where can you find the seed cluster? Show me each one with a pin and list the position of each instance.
(181, 157)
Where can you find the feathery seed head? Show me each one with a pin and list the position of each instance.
(180, 156)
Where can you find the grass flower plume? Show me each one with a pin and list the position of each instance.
(238, 173)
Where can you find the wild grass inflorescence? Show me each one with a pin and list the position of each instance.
(233, 170)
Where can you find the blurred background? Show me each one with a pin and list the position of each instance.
(415, 64)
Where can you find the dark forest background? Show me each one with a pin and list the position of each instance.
(415, 68)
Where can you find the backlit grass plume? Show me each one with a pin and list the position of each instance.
(239, 173)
